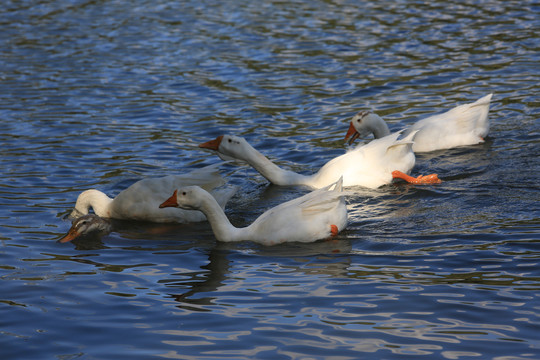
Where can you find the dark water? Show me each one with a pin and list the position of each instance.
(101, 94)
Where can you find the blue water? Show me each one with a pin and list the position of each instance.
(101, 94)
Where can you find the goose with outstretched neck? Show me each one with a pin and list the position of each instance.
(317, 215)
(371, 165)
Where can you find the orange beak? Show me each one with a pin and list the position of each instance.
(352, 133)
(71, 235)
(170, 202)
(212, 144)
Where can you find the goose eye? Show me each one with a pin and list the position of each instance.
(230, 140)
(184, 193)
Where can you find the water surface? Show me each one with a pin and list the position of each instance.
(102, 94)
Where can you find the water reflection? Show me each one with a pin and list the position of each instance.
(99, 94)
(370, 311)
(335, 297)
(207, 281)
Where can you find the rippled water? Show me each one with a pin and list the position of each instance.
(101, 94)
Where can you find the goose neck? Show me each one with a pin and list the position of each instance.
(380, 129)
(96, 200)
(221, 226)
(272, 172)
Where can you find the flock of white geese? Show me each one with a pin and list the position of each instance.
(201, 194)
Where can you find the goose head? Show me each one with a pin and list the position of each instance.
(365, 123)
(90, 224)
(229, 147)
(188, 197)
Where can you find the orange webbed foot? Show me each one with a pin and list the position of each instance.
(421, 179)
(333, 233)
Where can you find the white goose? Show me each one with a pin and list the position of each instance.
(369, 165)
(86, 225)
(140, 201)
(466, 124)
(316, 215)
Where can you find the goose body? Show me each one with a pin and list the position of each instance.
(369, 165)
(466, 124)
(140, 201)
(316, 215)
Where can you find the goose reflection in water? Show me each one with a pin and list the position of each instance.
(197, 292)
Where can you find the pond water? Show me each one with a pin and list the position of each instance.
(101, 94)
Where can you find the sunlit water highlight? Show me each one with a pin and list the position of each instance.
(103, 94)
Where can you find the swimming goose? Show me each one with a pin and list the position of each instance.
(316, 215)
(87, 225)
(466, 124)
(369, 165)
(140, 201)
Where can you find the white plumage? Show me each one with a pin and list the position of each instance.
(369, 165)
(316, 215)
(466, 124)
(141, 200)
